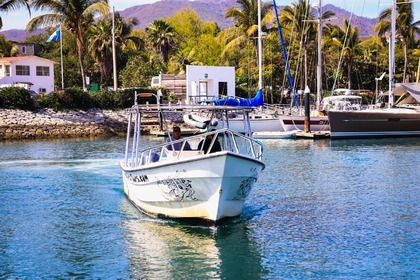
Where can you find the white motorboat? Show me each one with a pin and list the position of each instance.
(195, 183)
(275, 134)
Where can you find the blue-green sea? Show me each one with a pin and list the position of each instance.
(346, 209)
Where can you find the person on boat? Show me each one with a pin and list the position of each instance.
(205, 144)
(176, 135)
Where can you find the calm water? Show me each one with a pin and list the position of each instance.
(324, 209)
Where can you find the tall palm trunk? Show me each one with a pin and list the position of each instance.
(405, 62)
(80, 52)
(349, 75)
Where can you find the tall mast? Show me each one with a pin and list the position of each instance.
(319, 64)
(260, 85)
(114, 57)
(392, 53)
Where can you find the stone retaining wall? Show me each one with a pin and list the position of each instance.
(46, 123)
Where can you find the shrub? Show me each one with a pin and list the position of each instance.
(121, 99)
(70, 98)
(104, 99)
(15, 98)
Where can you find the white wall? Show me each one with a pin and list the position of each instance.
(38, 82)
(212, 75)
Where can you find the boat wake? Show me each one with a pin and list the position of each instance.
(91, 165)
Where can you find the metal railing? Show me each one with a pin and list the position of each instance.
(229, 140)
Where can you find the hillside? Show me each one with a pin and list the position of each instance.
(208, 11)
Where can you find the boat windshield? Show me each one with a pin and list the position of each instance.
(342, 103)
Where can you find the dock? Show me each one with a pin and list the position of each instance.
(313, 135)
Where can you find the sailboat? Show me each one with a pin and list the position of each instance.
(317, 121)
(261, 120)
(393, 121)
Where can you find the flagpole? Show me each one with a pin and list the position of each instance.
(114, 60)
(61, 53)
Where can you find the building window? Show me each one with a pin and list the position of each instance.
(22, 70)
(223, 88)
(24, 50)
(42, 71)
(7, 70)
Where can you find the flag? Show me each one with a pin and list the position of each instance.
(55, 36)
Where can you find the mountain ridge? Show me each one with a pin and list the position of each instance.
(207, 11)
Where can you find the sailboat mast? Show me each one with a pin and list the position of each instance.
(114, 56)
(392, 53)
(260, 85)
(319, 64)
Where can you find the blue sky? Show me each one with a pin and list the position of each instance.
(367, 8)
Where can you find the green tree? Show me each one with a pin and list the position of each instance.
(406, 27)
(161, 34)
(140, 69)
(75, 15)
(195, 41)
(347, 41)
(100, 43)
(10, 5)
(246, 23)
(7, 48)
(240, 41)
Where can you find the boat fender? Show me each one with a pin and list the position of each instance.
(214, 122)
(188, 119)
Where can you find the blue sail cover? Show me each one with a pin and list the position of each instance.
(257, 100)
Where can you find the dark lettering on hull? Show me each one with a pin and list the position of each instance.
(137, 178)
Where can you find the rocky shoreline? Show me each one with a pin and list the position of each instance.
(46, 123)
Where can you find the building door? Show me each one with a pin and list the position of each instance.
(203, 94)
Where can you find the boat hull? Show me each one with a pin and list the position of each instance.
(274, 134)
(374, 123)
(257, 124)
(290, 123)
(211, 188)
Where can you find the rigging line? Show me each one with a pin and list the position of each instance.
(289, 48)
(344, 45)
(289, 75)
(298, 74)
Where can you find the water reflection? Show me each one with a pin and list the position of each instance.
(166, 249)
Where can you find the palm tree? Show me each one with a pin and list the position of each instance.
(299, 21)
(241, 40)
(161, 35)
(75, 15)
(246, 23)
(9, 5)
(7, 48)
(406, 28)
(347, 41)
(100, 42)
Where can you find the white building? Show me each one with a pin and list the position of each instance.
(200, 83)
(209, 82)
(31, 72)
